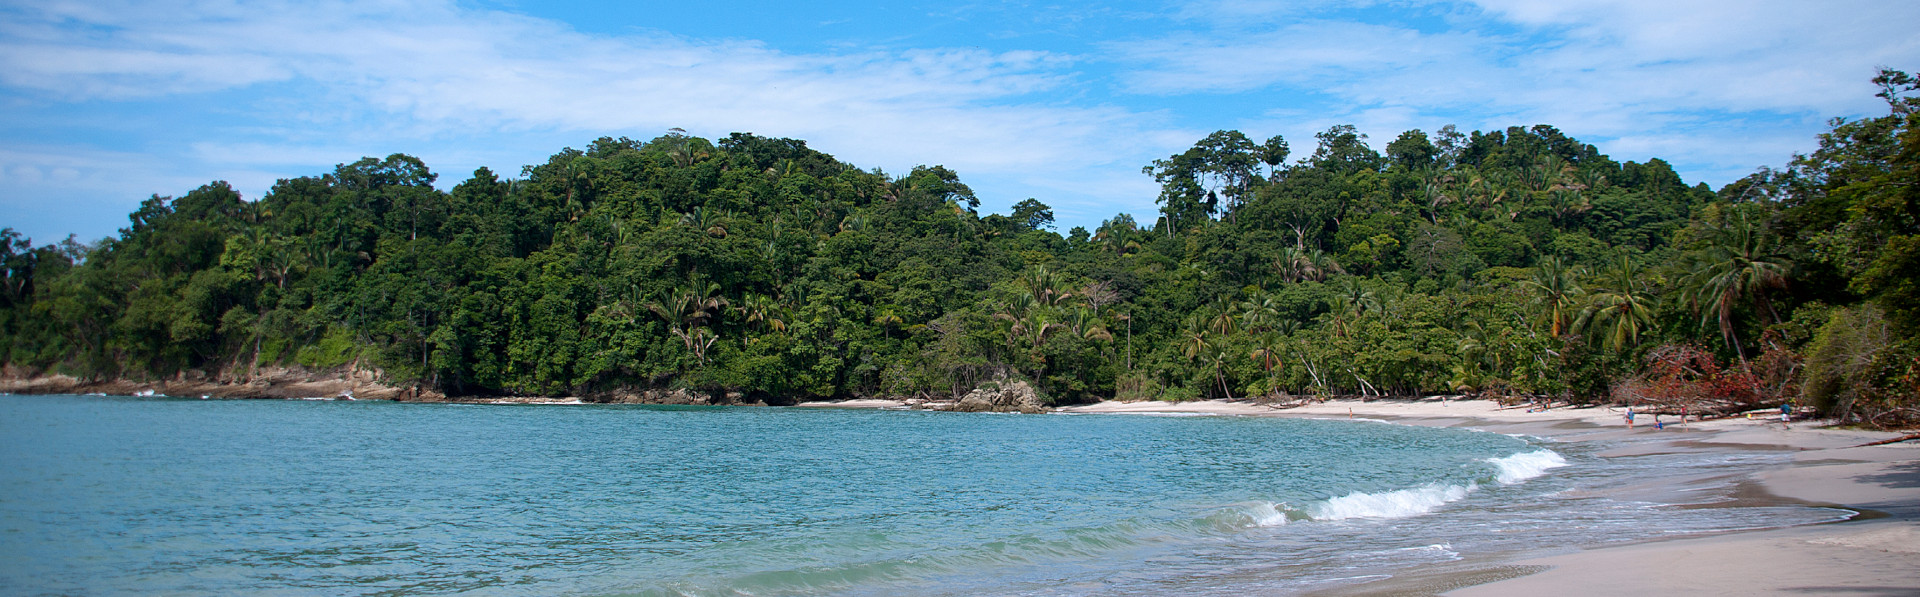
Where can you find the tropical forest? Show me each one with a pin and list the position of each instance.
(1518, 264)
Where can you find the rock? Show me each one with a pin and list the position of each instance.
(1007, 397)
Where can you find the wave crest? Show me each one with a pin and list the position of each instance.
(1392, 504)
(1268, 514)
(1401, 503)
(1516, 469)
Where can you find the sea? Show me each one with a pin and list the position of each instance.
(183, 496)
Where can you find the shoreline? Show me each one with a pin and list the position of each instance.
(1876, 551)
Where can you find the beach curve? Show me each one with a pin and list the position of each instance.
(1876, 552)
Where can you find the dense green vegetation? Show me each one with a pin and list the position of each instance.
(1518, 263)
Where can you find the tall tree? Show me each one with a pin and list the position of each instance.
(1621, 309)
(1733, 266)
(1556, 293)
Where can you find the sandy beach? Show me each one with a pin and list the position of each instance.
(1875, 553)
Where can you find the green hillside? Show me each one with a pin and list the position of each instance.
(1514, 263)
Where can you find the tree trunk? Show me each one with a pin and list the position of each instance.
(1903, 438)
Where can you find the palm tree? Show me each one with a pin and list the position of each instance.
(1358, 299)
(579, 173)
(763, 312)
(1300, 265)
(1323, 265)
(1218, 361)
(1565, 202)
(1193, 340)
(1224, 323)
(853, 222)
(1259, 311)
(1437, 197)
(1291, 264)
(1088, 325)
(1737, 264)
(711, 222)
(1267, 349)
(888, 317)
(688, 312)
(1621, 309)
(1339, 317)
(1556, 288)
(1044, 286)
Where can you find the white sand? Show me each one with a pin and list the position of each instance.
(1879, 556)
(1427, 407)
(860, 403)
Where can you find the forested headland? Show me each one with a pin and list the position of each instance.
(1515, 263)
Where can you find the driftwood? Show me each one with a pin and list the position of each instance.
(1903, 438)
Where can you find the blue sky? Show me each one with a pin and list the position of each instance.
(107, 102)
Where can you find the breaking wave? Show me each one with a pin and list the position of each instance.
(1391, 504)
(1516, 469)
(1413, 501)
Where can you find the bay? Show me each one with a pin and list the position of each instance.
(105, 495)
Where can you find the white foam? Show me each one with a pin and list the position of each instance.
(1392, 504)
(1360, 419)
(1515, 469)
(1267, 514)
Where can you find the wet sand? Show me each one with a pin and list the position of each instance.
(1875, 553)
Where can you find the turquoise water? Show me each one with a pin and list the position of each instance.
(104, 495)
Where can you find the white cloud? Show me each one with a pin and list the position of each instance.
(1617, 72)
(301, 86)
(51, 191)
(1312, 52)
(338, 76)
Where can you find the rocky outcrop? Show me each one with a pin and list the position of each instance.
(268, 382)
(629, 395)
(351, 383)
(1001, 397)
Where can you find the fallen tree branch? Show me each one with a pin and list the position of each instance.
(1907, 437)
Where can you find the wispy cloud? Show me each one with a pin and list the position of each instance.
(338, 74)
(1313, 53)
(1616, 72)
(52, 191)
(121, 98)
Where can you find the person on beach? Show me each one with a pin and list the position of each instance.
(1629, 417)
(1786, 412)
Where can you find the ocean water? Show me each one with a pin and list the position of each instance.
(160, 496)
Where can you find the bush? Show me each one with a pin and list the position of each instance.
(335, 349)
(1841, 356)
